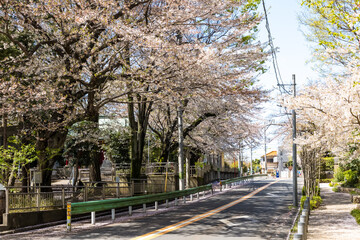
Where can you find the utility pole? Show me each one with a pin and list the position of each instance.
(293, 113)
(240, 160)
(265, 152)
(295, 197)
(187, 164)
(251, 157)
(181, 149)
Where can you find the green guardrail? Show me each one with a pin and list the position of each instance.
(112, 204)
(232, 180)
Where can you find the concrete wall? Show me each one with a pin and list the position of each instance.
(19, 220)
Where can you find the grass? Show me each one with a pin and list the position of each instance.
(291, 207)
(356, 214)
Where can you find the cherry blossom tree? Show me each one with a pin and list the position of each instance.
(82, 55)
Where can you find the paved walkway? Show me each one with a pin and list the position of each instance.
(332, 220)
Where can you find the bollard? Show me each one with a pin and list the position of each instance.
(130, 210)
(303, 219)
(93, 218)
(204, 193)
(298, 236)
(113, 214)
(191, 197)
(306, 216)
(301, 229)
(156, 205)
(184, 199)
(176, 201)
(212, 191)
(144, 207)
(167, 203)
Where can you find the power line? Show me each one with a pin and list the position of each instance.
(279, 80)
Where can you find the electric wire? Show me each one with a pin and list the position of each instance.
(279, 80)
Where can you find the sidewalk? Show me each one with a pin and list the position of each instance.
(332, 220)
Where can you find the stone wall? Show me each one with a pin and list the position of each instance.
(25, 219)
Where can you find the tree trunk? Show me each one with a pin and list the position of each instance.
(12, 177)
(138, 126)
(46, 143)
(25, 175)
(95, 172)
(93, 116)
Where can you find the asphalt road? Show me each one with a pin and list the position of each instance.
(259, 210)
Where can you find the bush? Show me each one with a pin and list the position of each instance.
(302, 200)
(339, 175)
(356, 214)
(354, 193)
(315, 202)
(335, 189)
(303, 192)
(326, 180)
(351, 178)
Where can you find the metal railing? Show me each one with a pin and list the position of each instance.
(55, 197)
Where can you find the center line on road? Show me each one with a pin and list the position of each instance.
(196, 218)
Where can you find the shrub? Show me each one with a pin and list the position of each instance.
(302, 200)
(354, 193)
(335, 189)
(356, 214)
(339, 175)
(351, 178)
(303, 192)
(326, 180)
(315, 202)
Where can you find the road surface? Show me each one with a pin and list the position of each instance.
(258, 210)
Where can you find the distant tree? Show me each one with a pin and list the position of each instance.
(333, 27)
(256, 165)
(14, 158)
(117, 146)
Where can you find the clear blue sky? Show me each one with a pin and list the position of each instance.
(293, 54)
